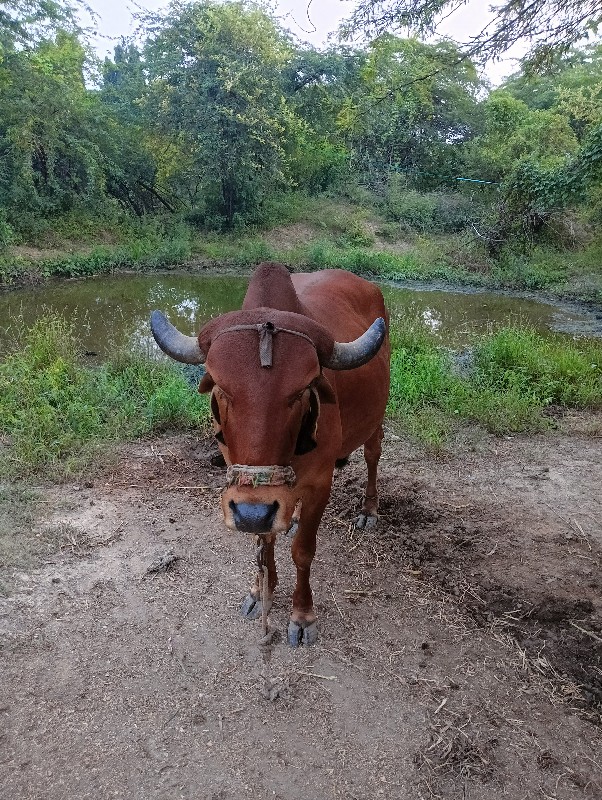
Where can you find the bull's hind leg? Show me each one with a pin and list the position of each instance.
(252, 605)
(372, 449)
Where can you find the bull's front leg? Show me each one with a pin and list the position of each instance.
(302, 627)
(368, 516)
(252, 605)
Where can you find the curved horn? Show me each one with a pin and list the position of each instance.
(180, 347)
(349, 355)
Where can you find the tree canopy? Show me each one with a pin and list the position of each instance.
(214, 110)
(549, 25)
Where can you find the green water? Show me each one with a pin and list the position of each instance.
(113, 311)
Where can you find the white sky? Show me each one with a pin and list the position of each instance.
(309, 20)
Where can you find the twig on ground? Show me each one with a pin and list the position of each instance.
(587, 633)
(315, 675)
(337, 605)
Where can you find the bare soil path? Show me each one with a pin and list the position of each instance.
(460, 651)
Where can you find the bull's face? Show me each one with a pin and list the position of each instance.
(264, 417)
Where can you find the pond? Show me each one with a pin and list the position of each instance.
(114, 311)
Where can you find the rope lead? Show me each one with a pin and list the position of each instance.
(270, 688)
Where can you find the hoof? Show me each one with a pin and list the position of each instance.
(300, 633)
(293, 527)
(366, 521)
(252, 608)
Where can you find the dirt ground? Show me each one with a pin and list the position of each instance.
(460, 650)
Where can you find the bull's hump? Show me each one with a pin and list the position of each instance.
(271, 287)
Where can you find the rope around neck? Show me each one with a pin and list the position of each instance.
(243, 475)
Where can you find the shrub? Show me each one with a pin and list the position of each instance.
(7, 235)
(414, 211)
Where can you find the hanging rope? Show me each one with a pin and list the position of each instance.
(270, 688)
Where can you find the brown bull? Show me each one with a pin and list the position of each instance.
(299, 379)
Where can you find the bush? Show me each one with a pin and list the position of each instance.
(430, 212)
(414, 211)
(515, 375)
(357, 234)
(7, 235)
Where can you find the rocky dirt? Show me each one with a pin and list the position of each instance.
(460, 651)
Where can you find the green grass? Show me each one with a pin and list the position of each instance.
(514, 375)
(56, 415)
(144, 247)
(239, 252)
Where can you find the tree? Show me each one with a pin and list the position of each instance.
(417, 126)
(132, 166)
(25, 22)
(215, 75)
(550, 25)
(572, 86)
(49, 129)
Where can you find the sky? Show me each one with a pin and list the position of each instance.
(310, 20)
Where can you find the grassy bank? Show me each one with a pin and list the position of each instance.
(309, 234)
(511, 381)
(58, 414)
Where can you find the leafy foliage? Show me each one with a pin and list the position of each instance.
(551, 26)
(214, 116)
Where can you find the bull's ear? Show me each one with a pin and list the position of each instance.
(306, 440)
(206, 385)
(325, 390)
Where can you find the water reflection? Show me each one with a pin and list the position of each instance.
(114, 311)
(431, 319)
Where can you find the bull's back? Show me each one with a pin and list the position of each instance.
(347, 305)
(344, 303)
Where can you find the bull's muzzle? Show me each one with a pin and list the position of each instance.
(254, 517)
(245, 495)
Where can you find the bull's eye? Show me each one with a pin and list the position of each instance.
(306, 439)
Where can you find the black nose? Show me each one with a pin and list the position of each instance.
(254, 517)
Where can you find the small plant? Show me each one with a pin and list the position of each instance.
(357, 234)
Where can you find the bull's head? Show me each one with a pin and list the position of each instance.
(264, 375)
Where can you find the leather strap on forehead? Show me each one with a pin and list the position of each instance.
(266, 331)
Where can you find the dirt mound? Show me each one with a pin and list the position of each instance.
(287, 237)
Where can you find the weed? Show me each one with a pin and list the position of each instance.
(18, 508)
